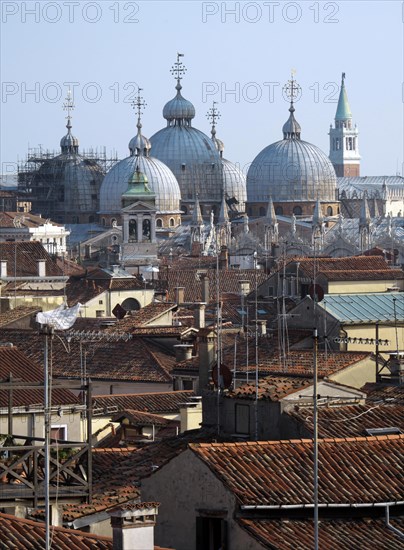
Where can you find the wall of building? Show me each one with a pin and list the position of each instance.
(109, 387)
(186, 489)
(362, 287)
(103, 304)
(31, 424)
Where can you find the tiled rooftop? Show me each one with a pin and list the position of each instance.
(351, 471)
(134, 360)
(140, 418)
(23, 534)
(350, 421)
(8, 317)
(191, 280)
(346, 534)
(143, 316)
(22, 259)
(23, 369)
(384, 393)
(272, 388)
(26, 219)
(310, 266)
(387, 274)
(154, 403)
(85, 289)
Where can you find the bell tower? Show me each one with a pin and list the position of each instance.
(344, 146)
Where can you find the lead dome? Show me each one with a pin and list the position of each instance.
(160, 178)
(292, 172)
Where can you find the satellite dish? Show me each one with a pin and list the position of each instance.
(316, 293)
(226, 376)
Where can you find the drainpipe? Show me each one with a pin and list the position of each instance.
(391, 527)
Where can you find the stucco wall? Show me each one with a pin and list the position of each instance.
(361, 287)
(32, 425)
(184, 487)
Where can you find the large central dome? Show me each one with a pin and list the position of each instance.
(291, 170)
(188, 152)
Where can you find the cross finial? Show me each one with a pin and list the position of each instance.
(292, 90)
(213, 114)
(68, 106)
(178, 70)
(139, 104)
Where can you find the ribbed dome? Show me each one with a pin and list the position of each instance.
(234, 184)
(161, 180)
(178, 108)
(193, 158)
(291, 170)
(69, 143)
(75, 182)
(139, 145)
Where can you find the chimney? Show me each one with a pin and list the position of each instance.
(133, 526)
(207, 338)
(179, 294)
(205, 288)
(199, 315)
(261, 326)
(224, 258)
(115, 268)
(3, 268)
(183, 352)
(41, 268)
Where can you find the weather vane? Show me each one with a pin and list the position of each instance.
(291, 90)
(213, 114)
(178, 69)
(68, 105)
(139, 104)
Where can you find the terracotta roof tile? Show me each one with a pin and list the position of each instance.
(154, 403)
(350, 420)
(12, 315)
(135, 360)
(344, 534)
(23, 369)
(22, 534)
(385, 393)
(143, 316)
(22, 259)
(280, 473)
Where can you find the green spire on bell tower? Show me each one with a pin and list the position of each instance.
(343, 108)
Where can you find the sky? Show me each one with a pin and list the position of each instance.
(239, 54)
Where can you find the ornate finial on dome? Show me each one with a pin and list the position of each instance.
(178, 70)
(213, 115)
(291, 129)
(178, 111)
(69, 143)
(139, 145)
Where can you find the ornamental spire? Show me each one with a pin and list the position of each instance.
(213, 115)
(292, 91)
(68, 106)
(139, 145)
(178, 70)
(343, 109)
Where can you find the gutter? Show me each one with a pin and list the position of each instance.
(391, 527)
(321, 505)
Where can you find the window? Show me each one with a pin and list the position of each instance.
(242, 419)
(159, 222)
(262, 211)
(211, 533)
(279, 211)
(172, 222)
(58, 432)
(329, 211)
(187, 385)
(100, 313)
(297, 211)
(100, 301)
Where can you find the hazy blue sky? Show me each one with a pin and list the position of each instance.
(239, 46)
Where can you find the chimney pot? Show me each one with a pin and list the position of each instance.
(3, 268)
(41, 268)
(179, 294)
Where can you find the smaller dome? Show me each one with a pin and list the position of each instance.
(139, 145)
(218, 144)
(69, 143)
(139, 178)
(178, 108)
(291, 129)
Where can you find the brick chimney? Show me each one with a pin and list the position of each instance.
(207, 357)
(199, 315)
(183, 352)
(41, 268)
(133, 526)
(205, 288)
(179, 292)
(3, 268)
